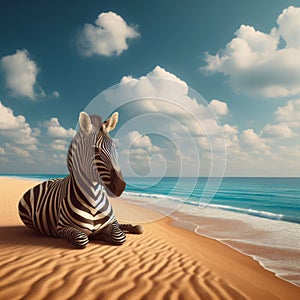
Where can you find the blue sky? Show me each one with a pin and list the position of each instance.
(243, 57)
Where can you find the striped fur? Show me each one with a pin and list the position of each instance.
(76, 207)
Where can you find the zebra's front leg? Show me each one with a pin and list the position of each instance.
(112, 234)
(76, 237)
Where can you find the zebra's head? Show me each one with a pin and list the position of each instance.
(99, 151)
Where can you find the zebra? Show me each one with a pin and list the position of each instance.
(77, 208)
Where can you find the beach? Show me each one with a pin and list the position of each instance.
(165, 262)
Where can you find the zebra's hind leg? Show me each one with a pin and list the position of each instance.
(77, 238)
(112, 234)
(136, 229)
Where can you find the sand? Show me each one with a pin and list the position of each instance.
(165, 262)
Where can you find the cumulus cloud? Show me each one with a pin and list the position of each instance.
(256, 62)
(16, 128)
(288, 26)
(59, 145)
(139, 140)
(251, 141)
(289, 114)
(161, 92)
(55, 130)
(20, 75)
(288, 117)
(231, 138)
(19, 151)
(139, 156)
(141, 143)
(277, 131)
(162, 104)
(219, 107)
(27, 149)
(230, 130)
(108, 36)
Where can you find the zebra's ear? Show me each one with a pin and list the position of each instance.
(85, 122)
(111, 123)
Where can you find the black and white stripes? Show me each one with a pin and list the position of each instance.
(76, 207)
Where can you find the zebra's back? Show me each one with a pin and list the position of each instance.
(40, 206)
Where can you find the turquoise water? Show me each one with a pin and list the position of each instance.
(271, 198)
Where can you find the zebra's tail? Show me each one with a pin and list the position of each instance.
(136, 229)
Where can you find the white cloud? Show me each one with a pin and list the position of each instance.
(24, 149)
(59, 145)
(161, 92)
(162, 104)
(251, 141)
(277, 131)
(16, 127)
(55, 130)
(108, 36)
(219, 107)
(139, 153)
(55, 94)
(289, 114)
(162, 73)
(7, 119)
(231, 139)
(171, 88)
(288, 117)
(139, 140)
(255, 62)
(139, 156)
(230, 130)
(19, 151)
(289, 26)
(139, 144)
(20, 74)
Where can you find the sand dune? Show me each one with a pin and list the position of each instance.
(164, 263)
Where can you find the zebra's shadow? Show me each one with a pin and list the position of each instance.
(22, 236)
(11, 236)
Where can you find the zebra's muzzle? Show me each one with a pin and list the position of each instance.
(117, 185)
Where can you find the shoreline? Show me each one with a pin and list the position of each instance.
(166, 260)
(187, 224)
(242, 235)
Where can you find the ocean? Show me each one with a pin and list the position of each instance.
(271, 198)
(259, 217)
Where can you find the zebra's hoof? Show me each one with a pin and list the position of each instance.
(137, 229)
(78, 246)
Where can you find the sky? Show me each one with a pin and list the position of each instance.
(203, 88)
